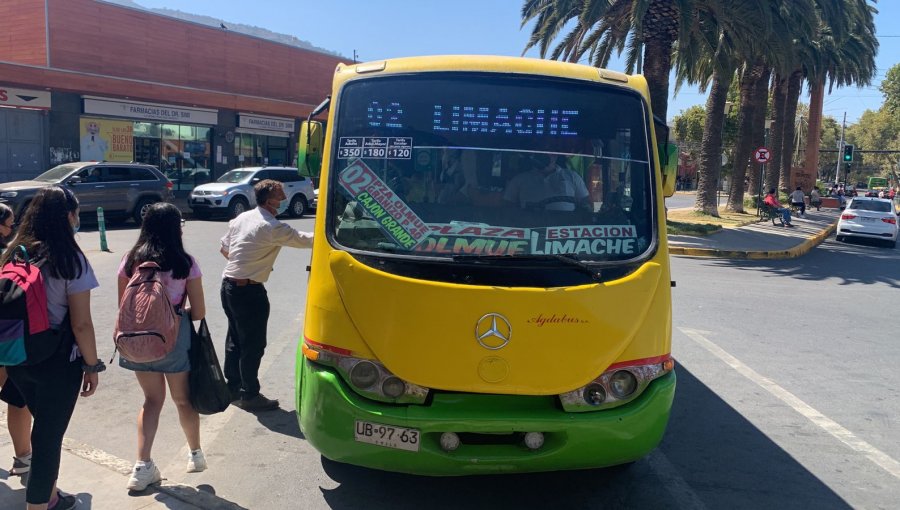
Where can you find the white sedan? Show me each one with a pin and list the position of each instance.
(869, 218)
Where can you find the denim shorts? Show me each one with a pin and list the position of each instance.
(176, 361)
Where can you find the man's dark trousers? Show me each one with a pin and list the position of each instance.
(247, 309)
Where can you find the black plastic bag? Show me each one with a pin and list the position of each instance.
(209, 391)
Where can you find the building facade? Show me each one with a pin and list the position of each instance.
(87, 80)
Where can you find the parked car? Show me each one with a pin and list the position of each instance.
(232, 193)
(869, 218)
(123, 189)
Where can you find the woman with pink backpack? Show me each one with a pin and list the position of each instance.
(157, 257)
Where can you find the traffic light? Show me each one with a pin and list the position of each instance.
(848, 153)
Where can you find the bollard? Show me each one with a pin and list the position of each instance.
(102, 226)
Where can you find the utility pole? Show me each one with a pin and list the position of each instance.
(837, 170)
(354, 56)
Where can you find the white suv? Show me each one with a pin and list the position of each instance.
(233, 194)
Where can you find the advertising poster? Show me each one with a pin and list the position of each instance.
(107, 140)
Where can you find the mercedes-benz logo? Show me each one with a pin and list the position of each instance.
(493, 331)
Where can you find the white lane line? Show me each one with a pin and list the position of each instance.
(679, 490)
(883, 460)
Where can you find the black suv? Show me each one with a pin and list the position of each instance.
(123, 189)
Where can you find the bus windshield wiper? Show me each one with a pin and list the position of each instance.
(567, 259)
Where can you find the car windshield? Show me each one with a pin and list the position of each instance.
(870, 205)
(472, 164)
(57, 173)
(235, 176)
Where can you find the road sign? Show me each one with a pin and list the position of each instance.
(762, 155)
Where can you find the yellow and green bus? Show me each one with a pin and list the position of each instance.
(489, 288)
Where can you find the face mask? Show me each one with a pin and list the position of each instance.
(282, 206)
(75, 227)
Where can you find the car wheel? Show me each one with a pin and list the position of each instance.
(140, 209)
(237, 206)
(839, 239)
(298, 206)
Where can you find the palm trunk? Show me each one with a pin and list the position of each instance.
(711, 145)
(773, 167)
(787, 141)
(814, 133)
(657, 65)
(760, 103)
(744, 146)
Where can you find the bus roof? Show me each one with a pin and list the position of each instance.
(491, 64)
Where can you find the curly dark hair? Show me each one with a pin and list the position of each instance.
(264, 189)
(46, 233)
(160, 242)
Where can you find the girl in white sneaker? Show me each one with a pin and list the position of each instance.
(160, 242)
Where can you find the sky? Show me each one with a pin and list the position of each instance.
(379, 29)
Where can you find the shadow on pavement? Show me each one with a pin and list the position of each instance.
(711, 455)
(203, 496)
(860, 261)
(281, 421)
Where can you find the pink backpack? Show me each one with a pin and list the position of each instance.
(147, 325)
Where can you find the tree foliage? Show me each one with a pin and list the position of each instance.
(890, 87)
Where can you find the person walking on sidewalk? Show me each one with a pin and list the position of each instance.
(251, 246)
(160, 241)
(18, 418)
(773, 202)
(815, 199)
(50, 388)
(798, 200)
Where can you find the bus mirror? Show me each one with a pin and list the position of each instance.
(309, 148)
(669, 163)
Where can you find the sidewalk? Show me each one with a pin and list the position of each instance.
(760, 240)
(98, 480)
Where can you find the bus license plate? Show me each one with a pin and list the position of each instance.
(387, 435)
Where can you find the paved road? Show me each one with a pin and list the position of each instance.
(787, 398)
(688, 199)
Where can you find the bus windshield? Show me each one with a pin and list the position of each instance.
(449, 164)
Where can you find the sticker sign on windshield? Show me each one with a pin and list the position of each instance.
(585, 240)
(474, 239)
(375, 147)
(394, 217)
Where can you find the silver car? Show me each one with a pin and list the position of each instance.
(123, 189)
(233, 194)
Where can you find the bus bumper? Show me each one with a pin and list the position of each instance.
(328, 410)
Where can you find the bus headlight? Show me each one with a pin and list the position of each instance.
(622, 384)
(366, 377)
(617, 386)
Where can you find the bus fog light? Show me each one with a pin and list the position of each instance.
(364, 374)
(594, 394)
(393, 387)
(449, 441)
(622, 384)
(534, 440)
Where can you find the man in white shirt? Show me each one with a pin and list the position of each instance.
(251, 246)
(797, 200)
(547, 187)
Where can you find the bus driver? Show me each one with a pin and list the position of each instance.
(547, 186)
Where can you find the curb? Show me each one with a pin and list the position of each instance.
(796, 251)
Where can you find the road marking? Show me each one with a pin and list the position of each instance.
(843, 435)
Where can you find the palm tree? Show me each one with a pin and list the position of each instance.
(844, 54)
(726, 35)
(752, 84)
(603, 26)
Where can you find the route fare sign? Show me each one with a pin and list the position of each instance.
(762, 155)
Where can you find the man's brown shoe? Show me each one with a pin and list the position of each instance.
(257, 403)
